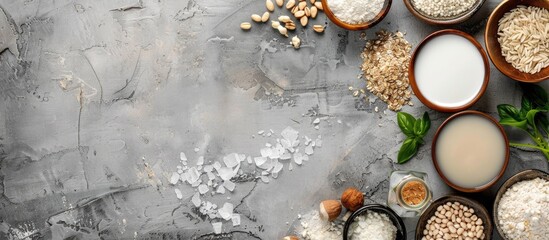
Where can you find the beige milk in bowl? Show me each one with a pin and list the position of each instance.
(470, 151)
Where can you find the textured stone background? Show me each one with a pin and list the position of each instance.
(97, 99)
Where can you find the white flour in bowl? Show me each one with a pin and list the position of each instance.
(523, 210)
(355, 11)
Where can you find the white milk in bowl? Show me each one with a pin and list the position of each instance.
(470, 151)
(449, 71)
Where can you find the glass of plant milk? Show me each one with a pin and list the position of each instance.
(449, 71)
(470, 151)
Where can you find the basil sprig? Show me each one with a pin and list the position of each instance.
(415, 130)
(531, 118)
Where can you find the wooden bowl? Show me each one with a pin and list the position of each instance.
(397, 221)
(413, 83)
(521, 176)
(480, 211)
(434, 157)
(356, 27)
(443, 21)
(494, 49)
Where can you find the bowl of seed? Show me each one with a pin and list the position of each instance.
(454, 217)
(356, 14)
(517, 39)
(443, 12)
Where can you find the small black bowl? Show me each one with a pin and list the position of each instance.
(397, 221)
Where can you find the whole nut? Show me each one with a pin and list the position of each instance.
(270, 5)
(265, 17)
(304, 20)
(245, 26)
(330, 209)
(282, 30)
(256, 18)
(319, 6)
(275, 24)
(314, 11)
(352, 199)
(290, 238)
(284, 19)
(290, 4)
(279, 3)
(299, 14)
(290, 26)
(302, 5)
(318, 28)
(296, 42)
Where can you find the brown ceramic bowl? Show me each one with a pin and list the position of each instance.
(356, 27)
(412, 78)
(480, 211)
(494, 49)
(444, 21)
(521, 176)
(434, 157)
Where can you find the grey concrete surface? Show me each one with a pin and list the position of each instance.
(98, 98)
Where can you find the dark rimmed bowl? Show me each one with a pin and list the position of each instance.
(434, 157)
(494, 49)
(361, 26)
(397, 221)
(480, 211)
(443, 21)
(412, 78)
(519, 177)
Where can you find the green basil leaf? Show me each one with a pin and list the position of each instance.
(536, 94)
(531, 115)
(422, 125)
(526, 105)
(514, 123)
(426, 124)
(407, 150)
(406, 123)
(508, 111)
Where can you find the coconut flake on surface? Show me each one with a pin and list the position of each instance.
(203, 189)
(298, 158)
(226, 212)
(231, 160)
(182, 156)
(192, 175)
(217, 227)
(236, 220)
(225, 173)
(174, 178)
(229, 185)
(178, 194)
(309, 150)
(200, 161)
(196, 200)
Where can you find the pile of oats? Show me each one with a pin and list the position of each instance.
(385, 68)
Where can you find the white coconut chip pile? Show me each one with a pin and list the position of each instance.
(213, 177)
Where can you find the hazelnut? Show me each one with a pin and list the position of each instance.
(330, 209)
(352, 199)
(290, 238)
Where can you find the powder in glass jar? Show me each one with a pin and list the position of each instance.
(355, 11)
(413, 193)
